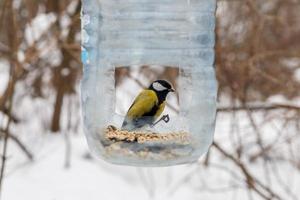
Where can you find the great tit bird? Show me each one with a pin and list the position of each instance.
(147, 106)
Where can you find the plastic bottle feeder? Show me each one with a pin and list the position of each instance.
(126, 46)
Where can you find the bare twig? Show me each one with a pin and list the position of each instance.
(20, 144)
(252, 182)
(6, 130)
(12, 81)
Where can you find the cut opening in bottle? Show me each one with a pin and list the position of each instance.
(131, 80)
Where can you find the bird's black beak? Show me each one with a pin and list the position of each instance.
(171, 90)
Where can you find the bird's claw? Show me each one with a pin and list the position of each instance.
(165, 118)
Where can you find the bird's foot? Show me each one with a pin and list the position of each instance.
(164, 118)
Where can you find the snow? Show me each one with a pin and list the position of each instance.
(4, 75)
(47, 178)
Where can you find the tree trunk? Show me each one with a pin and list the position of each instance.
(55, 126)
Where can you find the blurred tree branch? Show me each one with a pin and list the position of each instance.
(18, 142)
(65, 84)
(8, 99)
(252, 182)
(259, 107)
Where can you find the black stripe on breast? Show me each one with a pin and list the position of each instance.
(153, 111)
(146, 118)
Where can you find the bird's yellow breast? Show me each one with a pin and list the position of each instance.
(143, 103)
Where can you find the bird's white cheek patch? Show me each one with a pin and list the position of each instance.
(159, 87)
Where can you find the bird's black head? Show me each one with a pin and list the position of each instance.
(161, 88)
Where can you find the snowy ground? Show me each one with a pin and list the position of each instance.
(47, 178)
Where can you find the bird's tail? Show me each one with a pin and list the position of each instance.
(127, 125)
(130, 125)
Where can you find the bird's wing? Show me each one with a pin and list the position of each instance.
(143, 103)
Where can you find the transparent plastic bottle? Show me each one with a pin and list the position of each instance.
(128, 44)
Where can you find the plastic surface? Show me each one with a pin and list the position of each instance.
(155, 33)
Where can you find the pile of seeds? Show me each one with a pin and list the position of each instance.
(114, 134)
